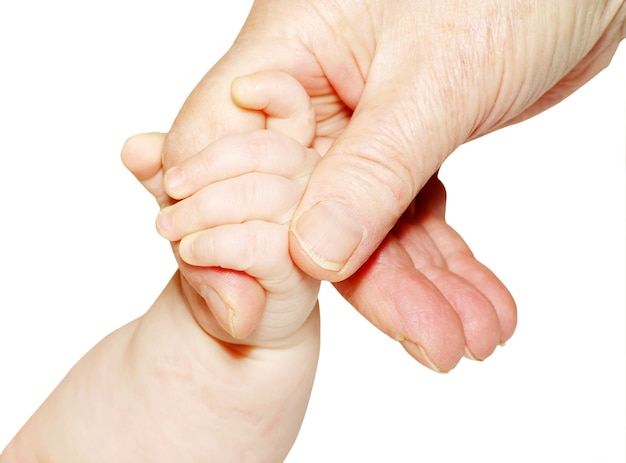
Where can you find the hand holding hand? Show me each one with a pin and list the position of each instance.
(396, 87)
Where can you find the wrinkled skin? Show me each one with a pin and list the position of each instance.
(396, 87)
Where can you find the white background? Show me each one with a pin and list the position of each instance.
(541, 203)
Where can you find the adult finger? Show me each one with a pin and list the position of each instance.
(483, 303)
(404, 304)
(367, 179)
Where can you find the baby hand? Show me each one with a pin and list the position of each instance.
(237, 197)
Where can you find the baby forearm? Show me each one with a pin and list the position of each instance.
(160, 388)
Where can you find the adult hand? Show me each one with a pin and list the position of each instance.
(396, 87)
(423, 261)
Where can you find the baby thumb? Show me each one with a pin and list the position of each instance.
(141, 155)
(362, 186)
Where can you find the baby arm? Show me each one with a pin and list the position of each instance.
(174, 385)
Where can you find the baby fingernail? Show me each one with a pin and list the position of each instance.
(185, 250)
(174, 180)
(164, 222)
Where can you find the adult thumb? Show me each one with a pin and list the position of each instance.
(367, 179)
